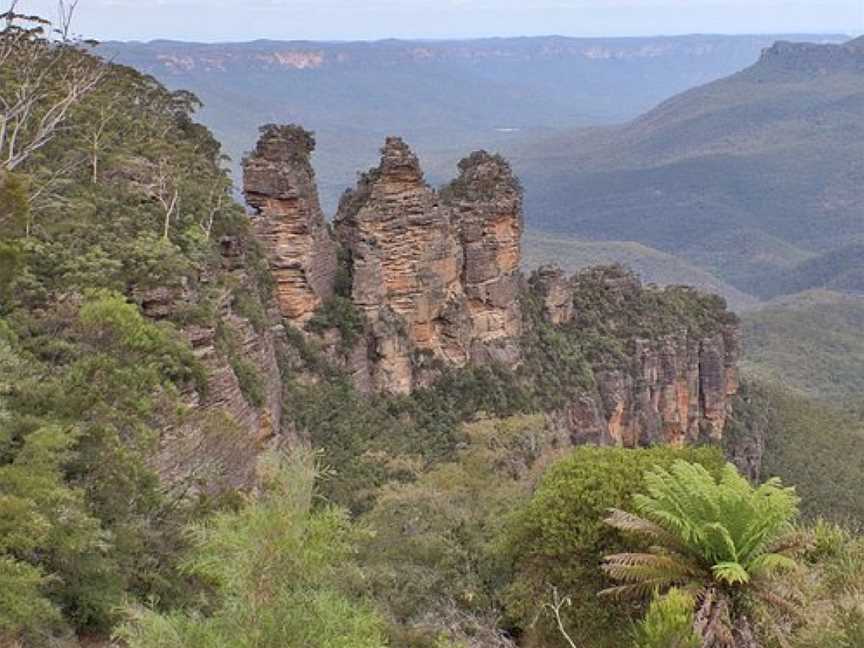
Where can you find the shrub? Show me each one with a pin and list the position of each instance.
(249, 306)
(341, 314)
(251, 385)
(432, 562)
(279, 571)
(559, 538)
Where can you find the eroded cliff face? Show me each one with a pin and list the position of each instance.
(406, 263)
(486, 202)
(673, 387)
(217, 443)
(279, 184)
(674, 392)
(434, 275)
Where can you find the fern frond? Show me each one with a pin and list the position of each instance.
(629, 523)
(771, 563)
(776, 600)
(730, 573)
(634, 590)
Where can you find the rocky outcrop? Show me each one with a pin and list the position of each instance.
(434, 273)
(787, 60)
(279, 184)
(675, 392)
(486, 202)
(672, 387)
(555, 290)
(406, 264)
(434, 276)
(217, 443)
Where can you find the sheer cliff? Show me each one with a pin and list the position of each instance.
(428, 284)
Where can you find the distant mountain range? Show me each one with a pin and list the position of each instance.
(746, 180)
(443, 97)
(757, 178)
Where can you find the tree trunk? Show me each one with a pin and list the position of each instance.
(743, 633)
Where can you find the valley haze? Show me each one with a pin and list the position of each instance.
(498, 340)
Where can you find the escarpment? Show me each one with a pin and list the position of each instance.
(431, 282)
(237, 413)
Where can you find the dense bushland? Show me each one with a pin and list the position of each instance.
(119, 195)
(456, 517)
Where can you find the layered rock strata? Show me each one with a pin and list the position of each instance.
(486, 204)
(218, 441)
(435, 277)
(443, 265)
(676, 392)
(279, 184)
(672, 388)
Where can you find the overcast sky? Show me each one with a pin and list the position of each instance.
(234, 20)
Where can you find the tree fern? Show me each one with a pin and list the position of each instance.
(722, 540)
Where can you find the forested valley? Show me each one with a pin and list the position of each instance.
(196, 452)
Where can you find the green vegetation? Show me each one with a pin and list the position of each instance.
(668, 623)
(559, 539)
(355, 430)
(840, 269)
(835, 562)
(278, 572)
(341, 314)
(433, 564)
(805, 441)
(79, 501)
(810, 342)
(251, 384)
(110, 225)
(600, 294)
(724, 542)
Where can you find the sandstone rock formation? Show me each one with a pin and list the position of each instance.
(486, 201)
(674, 388)
(434, 276)
(443, 267)
(554, 288)
(406, 263)
(675, 393)
(219, 444)
(279, 184)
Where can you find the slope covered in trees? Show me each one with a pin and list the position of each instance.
(745, 177)
(811, 342)
(112, 198)
(152, 404)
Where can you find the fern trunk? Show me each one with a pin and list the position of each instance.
(743, 634)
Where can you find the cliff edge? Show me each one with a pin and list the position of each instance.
(429, 281)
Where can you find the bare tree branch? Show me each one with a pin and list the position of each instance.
(555, 609)
(46, 79)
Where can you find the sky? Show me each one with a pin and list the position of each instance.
(241, 20)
